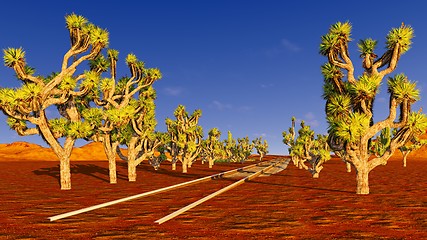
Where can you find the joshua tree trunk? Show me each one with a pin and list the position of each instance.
(173, 166)
(63, 153)
(405, 155)
(362, 177)
(184, 166)
(348, 166)
(65, 174)
(110, 152)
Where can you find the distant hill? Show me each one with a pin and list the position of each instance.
(24, 151)
(94, 151)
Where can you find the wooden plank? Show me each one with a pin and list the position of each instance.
(229, 187)
(165, 189)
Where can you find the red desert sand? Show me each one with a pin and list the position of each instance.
(287, 205)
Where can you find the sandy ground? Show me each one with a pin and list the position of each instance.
(286, 205)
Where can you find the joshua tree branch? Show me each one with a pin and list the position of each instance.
(27, 131)
(393, 61)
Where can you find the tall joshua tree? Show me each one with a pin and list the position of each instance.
(142, 141)
(26, 106)
(349, 100)
(127, 108)
(185, 136)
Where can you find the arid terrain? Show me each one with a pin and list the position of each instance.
(287, 205)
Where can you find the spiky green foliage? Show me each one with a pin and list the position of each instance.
(75, 21)
(99, 64)
(401, 36)
(14, 123)
(352, 128)
(403, 89)
(91, 80)
(367, 47)
(120, 117)
(93, 116)
(339, 33)
(13, 56)
(382, 142)
(131, 59)
(113, 54)
(99, 36)
(366, 88)
(79, 130)
(59, 126)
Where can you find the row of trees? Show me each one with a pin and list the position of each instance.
(96, 105)
(307, 148)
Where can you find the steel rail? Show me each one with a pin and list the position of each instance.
(165, 189)
(225, 189)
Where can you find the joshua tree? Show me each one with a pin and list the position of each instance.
(307, 148)
(289, 139)
(185, 136)
(261, 147)
(243, 149)
(26, 106)
(413, 145)
(349, 104)
(211, 147)
(142, 140)
(415, 142)
(230, 146)
(320, 153)
(118, 107)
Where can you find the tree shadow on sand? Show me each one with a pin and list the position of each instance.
(86, 169)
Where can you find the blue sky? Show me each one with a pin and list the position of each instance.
(248, 65)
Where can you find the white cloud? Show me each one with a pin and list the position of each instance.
(173, 91)
(245, 108)
(290, 46)
(268, 85)
(220, 106)
(310, 120)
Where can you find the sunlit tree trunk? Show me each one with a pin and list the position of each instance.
(110, 151)
(362, 178)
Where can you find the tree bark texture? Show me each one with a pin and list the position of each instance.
(362, 178)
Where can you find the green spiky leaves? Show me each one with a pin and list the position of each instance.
(339, 33)
(401, 37)
(120, 117)
(154, 73)
(352, 128)
(13, 56)
(417, 123)
(338, 106)
(82, 33)
(367, 46)
(75, 21)
(366, 88)
(403, 89)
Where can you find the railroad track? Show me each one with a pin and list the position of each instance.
(249, 172)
